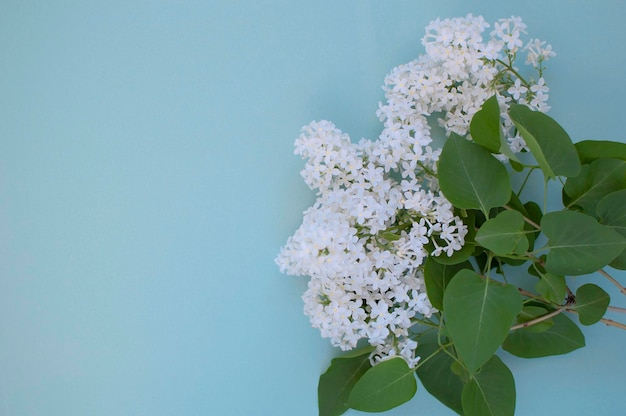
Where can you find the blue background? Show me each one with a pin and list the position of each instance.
(147, 181)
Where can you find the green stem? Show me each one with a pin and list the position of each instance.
(425, 322)
(530, 170)
(488, 265)
(509, 67)
(426, 169)
(424, 360)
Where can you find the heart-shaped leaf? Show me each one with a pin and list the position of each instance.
(591, 303)
(479, 314)
(470, 177)
(578, 244)
(504, 234)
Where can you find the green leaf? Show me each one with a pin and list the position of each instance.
(517, 167)
(562, 337)
(384, 386)
(591, 303)
(491, 392)
(590, 150)
(486, 130)
(459, 369)
(470, 177)
(337, 382)
(551, 287)
(437, 276)
(548, 142)
(485, 126)
(437, 376)
(619, 262)
(578, 244)
(504, 234)
(479, 314)
(612, 213)
(600, 178)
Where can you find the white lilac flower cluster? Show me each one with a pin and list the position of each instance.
(459, 71)
(379, 212)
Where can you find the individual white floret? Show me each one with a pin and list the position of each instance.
(538, 52)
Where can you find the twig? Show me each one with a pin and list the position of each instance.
(611, 322)
(612, 280)
(526, 293)
(607, 321)
(616, 309)
(540, 319)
